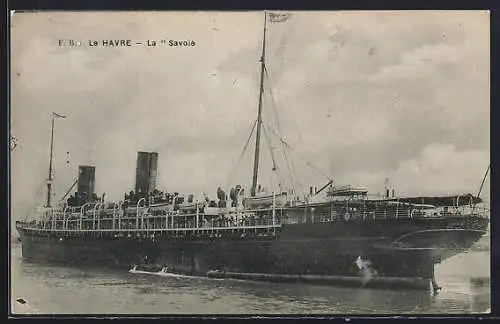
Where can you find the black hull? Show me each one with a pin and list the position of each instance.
(395, 248)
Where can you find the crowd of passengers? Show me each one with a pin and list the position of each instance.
(158, 197)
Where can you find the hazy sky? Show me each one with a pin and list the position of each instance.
(364, 96)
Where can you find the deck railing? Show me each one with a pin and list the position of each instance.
(149, 219)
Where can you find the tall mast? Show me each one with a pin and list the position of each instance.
(259, 116)
(49, 180)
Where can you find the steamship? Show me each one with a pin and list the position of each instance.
(333, 232)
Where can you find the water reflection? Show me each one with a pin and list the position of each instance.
(296, 298)
(60, 289)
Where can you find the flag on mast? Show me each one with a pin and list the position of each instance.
(279, 17)
(58, 115)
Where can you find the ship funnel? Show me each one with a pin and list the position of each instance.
(86, 181)
(146, 171)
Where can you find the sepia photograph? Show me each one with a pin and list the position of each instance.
(250, 163)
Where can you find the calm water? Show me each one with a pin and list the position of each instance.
(69, 290)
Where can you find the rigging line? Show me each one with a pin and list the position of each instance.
(268, 138)
(289, 162)
(69, 190)
(279, 128)
(288, 166)
(484, 179)
(300, 156)
(292, 165)
(481, 187)
(275, 165)
(291, 182)
(233, 173)
(269, 144)
(297, 177)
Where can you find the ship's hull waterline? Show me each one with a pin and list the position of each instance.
(395, 248)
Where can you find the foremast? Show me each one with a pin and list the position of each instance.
(259, 115)
(49, 180)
